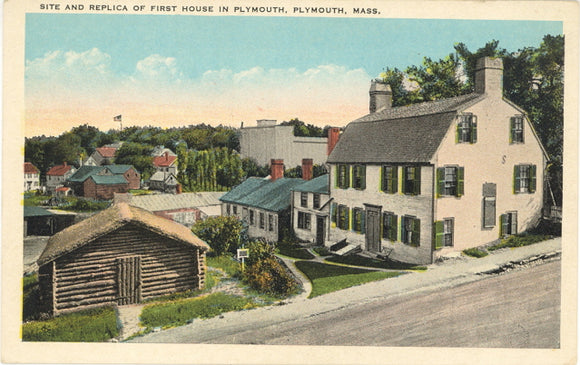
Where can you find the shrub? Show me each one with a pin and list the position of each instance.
(85, 205)
(258, 251)
(294, 251)
(519, 240)
(475, 252)
(269, 276)
(322, 251)
(222, 234)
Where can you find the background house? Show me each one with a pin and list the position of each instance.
(101, 182)
(269, 141)
(57, 175)
(311, 209)
(419, 181)
(104, 155)
(31, 177)
(122, 255)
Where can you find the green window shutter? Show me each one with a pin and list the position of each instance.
(532, 178)
(333, 215)
(460, 183)
(349, 170)
(354, 218)
(516, 179)
(473, 129)
(394, 179)
(438, 229)
(363, 171)
(503, 222)
(362, 222)
(416, 238)
(393, 227)
(401, 227)
(417, 181)
(336, 174)
(457, 131)
(440, 181)
(347, 218)
(403, 179)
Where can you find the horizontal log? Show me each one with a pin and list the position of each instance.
(80, 298)
(161, 292)
(99, 300)
(86, 277)
(162, 287)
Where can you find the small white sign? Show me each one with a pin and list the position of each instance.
(243, 253)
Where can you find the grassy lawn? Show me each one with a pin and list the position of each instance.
(179, 312)
(93, 325)
(225, 263)
(322, 251)
(357, 260)
(519, 240)
(327, 278)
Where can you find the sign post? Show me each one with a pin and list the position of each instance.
(242, 254)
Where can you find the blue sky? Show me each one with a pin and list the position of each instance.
(117, 62)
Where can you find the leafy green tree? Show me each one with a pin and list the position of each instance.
(137, 155)
(222, 234)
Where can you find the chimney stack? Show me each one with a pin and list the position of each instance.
(489, 76)
(166, 156)
(64, 163)
(381, 96)
(276, 169)
(333, 136)
(307, 169)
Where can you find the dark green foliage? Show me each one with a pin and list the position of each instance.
(270, 277)
(85, 205)
(138, 156)
(222, 234)
(329, 278)
(296, 172)
(180, 312)
(475, 252)
(94, 325)
(357, 260)
(258, 251)
(519, 240)
(302, 129)
(216, 169)
(251, 168)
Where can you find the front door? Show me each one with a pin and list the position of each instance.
(129, 280)
(373, 228)
(320, 230)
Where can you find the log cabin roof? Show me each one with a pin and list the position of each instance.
(109, 220)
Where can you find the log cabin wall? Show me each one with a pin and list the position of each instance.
(89, 276)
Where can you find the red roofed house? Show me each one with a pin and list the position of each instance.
(165, 163)
(104, 155)
(57, 175)
(31, 177)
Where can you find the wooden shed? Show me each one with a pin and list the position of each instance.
(122, 255)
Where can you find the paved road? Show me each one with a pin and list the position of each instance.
(519, 309)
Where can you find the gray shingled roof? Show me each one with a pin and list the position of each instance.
(159, 202)
(408, 134)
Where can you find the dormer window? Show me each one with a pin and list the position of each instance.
(466, 129)
(517, 129)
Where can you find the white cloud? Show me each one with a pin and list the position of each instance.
(158, 68)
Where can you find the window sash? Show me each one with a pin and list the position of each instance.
(262, 221)
(316, 201)
(304, 199)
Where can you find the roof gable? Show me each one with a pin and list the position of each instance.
(109, 220)
(29, 168)
(106, 151)
(84, 172)
(118, 169)
(164, 161)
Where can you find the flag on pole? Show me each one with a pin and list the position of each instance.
(117, 118)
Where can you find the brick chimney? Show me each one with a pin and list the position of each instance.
(64, 163)
(166, 156)
(307, 169)
(489, 76)
(381, 96)
(276, 169)
(333, 136)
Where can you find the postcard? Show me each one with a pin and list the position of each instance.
(325, 182)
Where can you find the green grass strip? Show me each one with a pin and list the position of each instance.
(225, 263)
(93, 325)
(356, 260)
(180, 312)
(519, 241)
(327, 278)
(475, 252)
(295, 252)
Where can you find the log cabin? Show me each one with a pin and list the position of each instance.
(122, 255)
